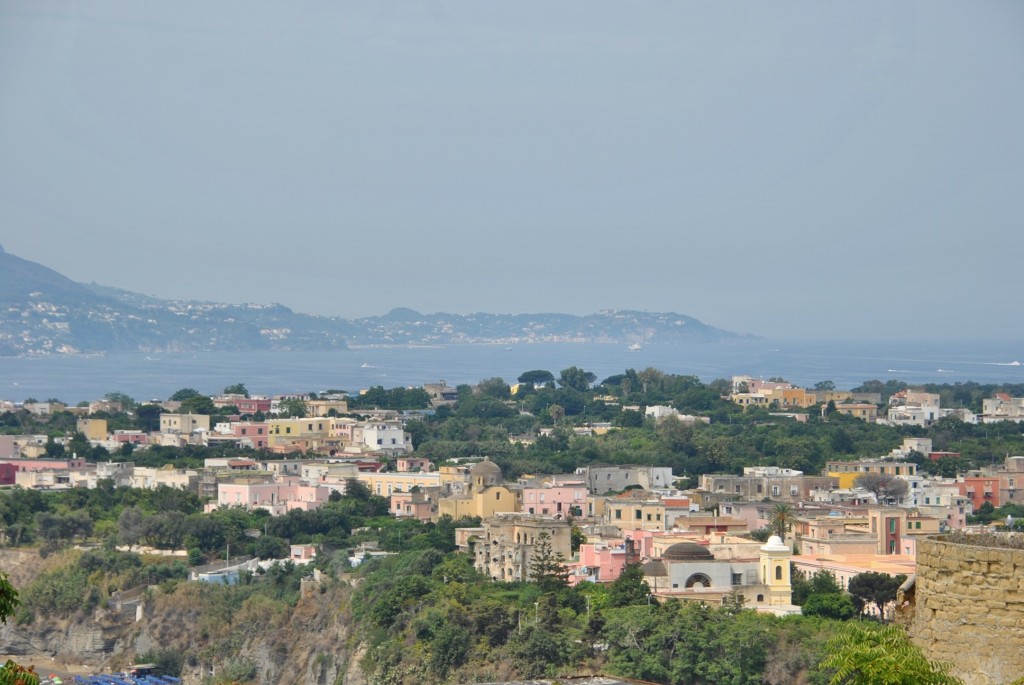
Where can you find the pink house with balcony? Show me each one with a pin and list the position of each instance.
(418, 505)
(600, 562)
(250, 434)
(603, 561)
(411, 464)
(553, 499)
(278, 497)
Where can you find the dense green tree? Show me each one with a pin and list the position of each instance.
(148, 417)
(237, 389)
(872, 588)
(53, 448)
(629, 418)
(547, 568)
(184, 394)
(576, 378)
(629, 588)
(293, 407)
(496, 388)
(536, 377)
(270, 547)
(837, 606)
(127, 402)
(197, 404)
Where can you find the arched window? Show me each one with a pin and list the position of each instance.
(760, 598)
(698, 580)
(778, 573)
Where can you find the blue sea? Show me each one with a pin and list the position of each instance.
(153, 376)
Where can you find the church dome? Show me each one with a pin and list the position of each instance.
(687, 551)
(485, 468)
(654, 569)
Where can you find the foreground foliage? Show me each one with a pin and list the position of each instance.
(862, 654)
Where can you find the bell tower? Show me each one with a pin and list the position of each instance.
(774, 557)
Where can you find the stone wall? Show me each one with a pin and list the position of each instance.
(970, 609)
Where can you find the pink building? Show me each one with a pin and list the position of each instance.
(417, 505)
(44, 464)
(302, 553)
(277, 497)
(250, 434)
(122, 437)
(246, 405)
(410, 464)
(567, 499)
(600, 562)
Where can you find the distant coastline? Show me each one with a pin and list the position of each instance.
(79, 378)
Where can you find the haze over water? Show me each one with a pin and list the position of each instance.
(156, 376)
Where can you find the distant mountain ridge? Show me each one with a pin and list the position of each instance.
(43, 312)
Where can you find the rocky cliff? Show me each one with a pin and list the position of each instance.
(257, 640)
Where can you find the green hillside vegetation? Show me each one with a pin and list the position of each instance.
(424, 615)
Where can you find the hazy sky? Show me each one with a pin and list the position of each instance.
(818, 169)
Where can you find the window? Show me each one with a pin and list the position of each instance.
(775, 490)
(638, 515)
(917, 525)
(737, 579)
(618, 513)
(892, 525)
(778, 572)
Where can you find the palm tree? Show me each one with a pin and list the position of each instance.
(781, 519)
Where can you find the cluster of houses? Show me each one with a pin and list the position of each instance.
(691, 544)
(905, 408)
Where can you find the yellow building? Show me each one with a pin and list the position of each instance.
(846, 472)
(283, 432)
(792, 397)
(324, 407)
(92, 429)
(635, 510)
(865, 412)
(384, 484)
(486, 495)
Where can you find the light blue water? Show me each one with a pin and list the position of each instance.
(157, 376)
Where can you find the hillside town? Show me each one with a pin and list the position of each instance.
(706, 539)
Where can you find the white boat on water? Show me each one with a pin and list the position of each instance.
(635, 347)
